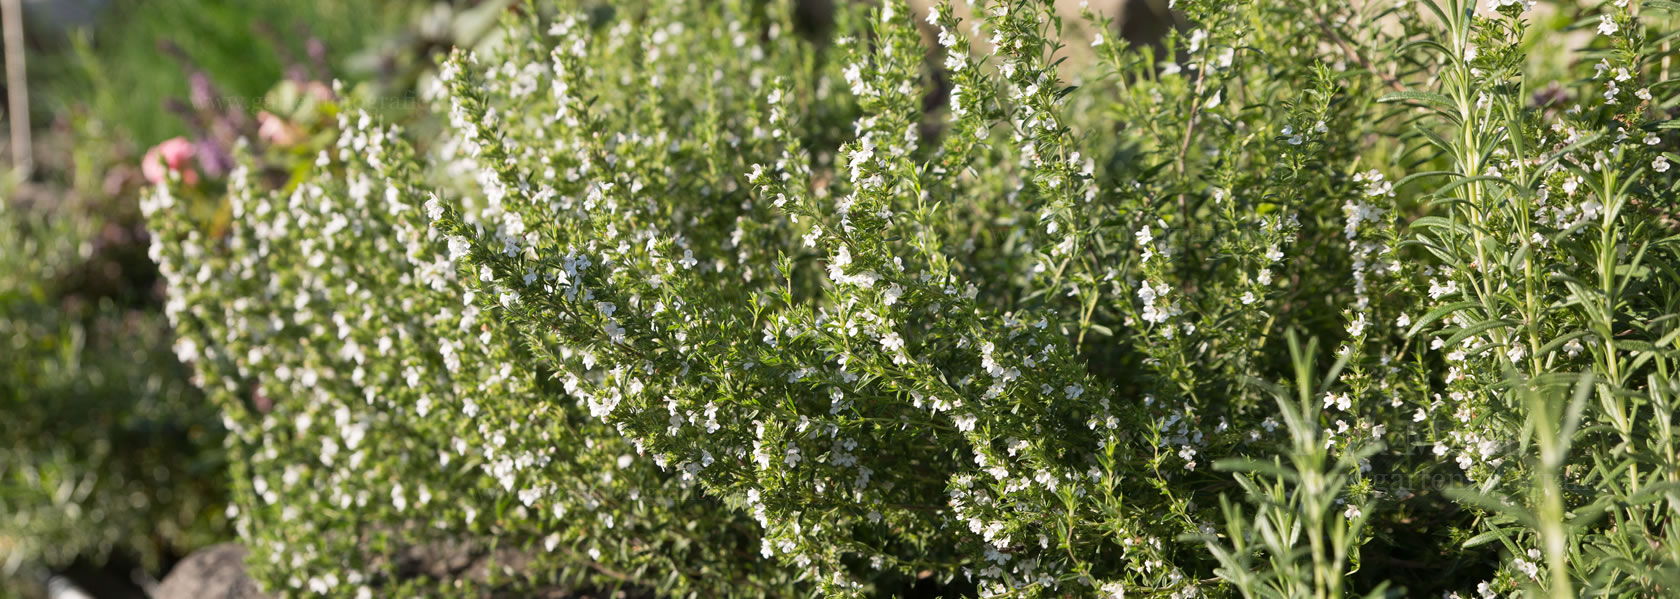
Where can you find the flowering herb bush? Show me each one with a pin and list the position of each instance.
(1312, 299)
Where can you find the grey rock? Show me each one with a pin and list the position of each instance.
(214, 572)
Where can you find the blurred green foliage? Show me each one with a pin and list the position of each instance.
(106, 448)
(119, 74)
(104, 445)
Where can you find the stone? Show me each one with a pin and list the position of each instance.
(214, 572)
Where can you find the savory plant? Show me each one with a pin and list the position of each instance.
(685, 299)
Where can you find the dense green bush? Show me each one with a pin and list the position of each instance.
(104, 445)
(680, 288)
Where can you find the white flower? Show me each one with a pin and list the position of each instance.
(1516, 352)
(1607, 25)
(1151, 312)
(397, 499)
(891, 295)
(892, 342)
(1437, 289)
(1357, 326)
(1660, 164)
(1113, 590)
(458, 247)
(838, 262)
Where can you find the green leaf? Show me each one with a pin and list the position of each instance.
(1429, 99)
(1477, 328)
(1497, 534)
(1439, 313)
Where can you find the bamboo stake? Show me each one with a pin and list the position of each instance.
(17, 87)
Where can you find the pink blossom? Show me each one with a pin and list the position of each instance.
(277, 131)
(173, 154)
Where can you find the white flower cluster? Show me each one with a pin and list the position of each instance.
(351, 347)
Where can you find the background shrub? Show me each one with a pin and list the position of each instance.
(113, 467)
(106, 448)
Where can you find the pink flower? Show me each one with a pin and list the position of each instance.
(173, 154)
(277, 131)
